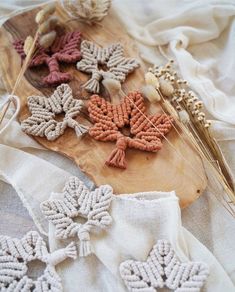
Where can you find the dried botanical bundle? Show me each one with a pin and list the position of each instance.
(163, 84)
(46, 33)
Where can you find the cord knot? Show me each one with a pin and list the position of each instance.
(122, 143)
(84, 245)
(83, 235)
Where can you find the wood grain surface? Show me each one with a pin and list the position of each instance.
(163, 171)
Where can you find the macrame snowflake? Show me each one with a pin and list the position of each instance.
(65, 49)
(42, 121)
(163, 269)
(78, 202)
(102, 62)
(15, 254)
(111, 122)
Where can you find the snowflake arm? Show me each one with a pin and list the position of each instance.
(163, 269)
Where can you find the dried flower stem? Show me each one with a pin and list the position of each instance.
(196, 128)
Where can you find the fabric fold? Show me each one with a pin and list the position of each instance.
(139, 221)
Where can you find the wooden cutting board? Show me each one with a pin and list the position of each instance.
(163, 171)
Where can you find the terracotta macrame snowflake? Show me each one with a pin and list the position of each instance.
(111, 59)
(163, 269)
(77, 201)
(65, 49)
(145, 132)
(15, 254)
(42, 121)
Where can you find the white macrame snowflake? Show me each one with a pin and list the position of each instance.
(42, 122)
(78, 201)
(15, 254)
(163, 269)
(104, 62)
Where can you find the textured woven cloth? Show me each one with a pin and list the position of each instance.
(210, 48)
(139, 220)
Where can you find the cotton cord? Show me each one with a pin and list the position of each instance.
(42, 122)
(110, 121)
(65, 49)
(163, 269)
(116, 65)
(78, 201)
(15, 254)
(16, 102)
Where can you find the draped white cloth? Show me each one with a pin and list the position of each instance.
(200, 36)
(139, 220)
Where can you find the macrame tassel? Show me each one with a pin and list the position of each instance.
(84, 244)
(55, 76)
(93, 84)
(60, 255)
(80, 129)
(117, 157)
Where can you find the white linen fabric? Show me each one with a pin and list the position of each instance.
(139, 220)
(200, 36)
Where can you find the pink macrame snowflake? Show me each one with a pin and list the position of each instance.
(65, 49)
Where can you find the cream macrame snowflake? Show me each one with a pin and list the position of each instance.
(104, 62)
(78, 202)
(15, 254)
(163, 269)
(42, 122)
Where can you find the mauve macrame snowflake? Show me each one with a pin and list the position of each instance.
(16, 253)
(163, 269)
(65, 49)
(145, 132)
(102, 62)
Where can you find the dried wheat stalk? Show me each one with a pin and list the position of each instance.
(177, 99)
